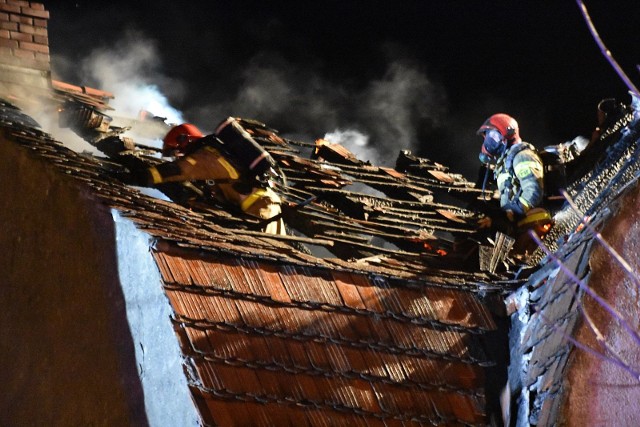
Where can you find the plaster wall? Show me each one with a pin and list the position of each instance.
(599, 392)
(85, 336)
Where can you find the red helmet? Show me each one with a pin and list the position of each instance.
(179, 138)
(503, 123)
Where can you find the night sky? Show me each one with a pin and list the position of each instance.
(420, 75)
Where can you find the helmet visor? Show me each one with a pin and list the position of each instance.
(494, 143)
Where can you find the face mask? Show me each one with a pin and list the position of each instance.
(493, 143)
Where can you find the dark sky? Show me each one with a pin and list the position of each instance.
(416, 74)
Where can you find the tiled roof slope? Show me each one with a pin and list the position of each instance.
(299, 344)
(274, 336)
(550, 305)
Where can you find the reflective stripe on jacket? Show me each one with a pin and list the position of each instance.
(519, 175)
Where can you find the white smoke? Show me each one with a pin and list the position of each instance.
(383, 115)
(266, 91)
(356, 142)
(130, 71)
(395, 105)
(274, 89)
(375, 120)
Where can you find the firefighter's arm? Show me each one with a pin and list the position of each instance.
(529, 171)
(489, 214)
(203, 164)
(144, 176)
(165, 172)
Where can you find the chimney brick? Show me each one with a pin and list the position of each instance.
(37, 13)
(24, 54)
(43, 57)
(6, 25)
(10, 8)
(37, 6)
(30, 29)
(41, 40)
(16, 35)
(40, 22)
(19, 2)
(34, 47)
(27, 29)
(4, 16)
(25, 62)
(5, 34)
(8, 43)
(21, 19)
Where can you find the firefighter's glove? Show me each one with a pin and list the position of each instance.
(510, 215)
(112, 146)
(514, 211)
(484, 222)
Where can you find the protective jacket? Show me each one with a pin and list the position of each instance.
(519, 175)
(205, 163)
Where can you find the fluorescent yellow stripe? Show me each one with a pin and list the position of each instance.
(539, 216)
(155, 175)
(524, 203)
(251, 199)
(191, 160)
(523, 169)
(233, 173)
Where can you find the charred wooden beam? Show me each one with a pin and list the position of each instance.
(406, 160)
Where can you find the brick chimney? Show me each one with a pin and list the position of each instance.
(24, 47)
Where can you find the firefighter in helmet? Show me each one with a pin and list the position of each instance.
(198, 158)
(518, 172)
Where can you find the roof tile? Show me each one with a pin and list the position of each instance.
(280, 337)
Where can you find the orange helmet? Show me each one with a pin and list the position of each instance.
(179, 138)
(503, 123)
(499, 132)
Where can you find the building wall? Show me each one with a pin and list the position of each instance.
(599, 392)
(66, 356)
(168, 400)
(76, 345)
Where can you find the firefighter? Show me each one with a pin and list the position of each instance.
(519, 174)
(200, 158)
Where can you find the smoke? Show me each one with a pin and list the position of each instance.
(374, 120)
(130, 71)
(357, 142)
(396, 106)
(290, 97)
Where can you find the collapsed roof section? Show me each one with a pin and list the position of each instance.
(353, 209)
(272, 333)
(361, 212)
(373, 332)
(397, 223)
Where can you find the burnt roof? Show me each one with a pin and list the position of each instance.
(271, 334)
(376, 333)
